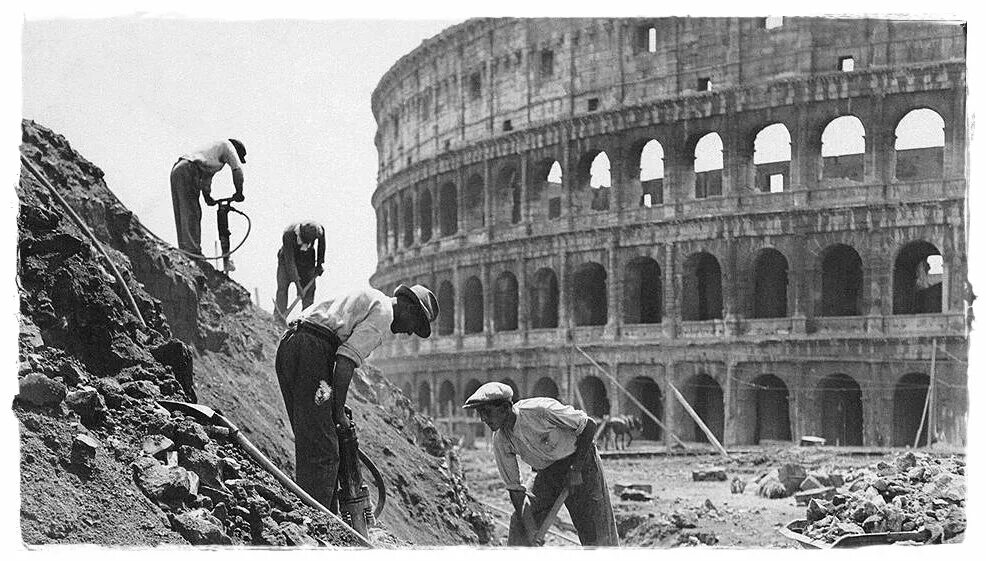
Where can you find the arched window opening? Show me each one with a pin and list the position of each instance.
(475, 203)
(918, 275)
(446, 303)
(702, 288)
(446, 399)
(407, 202)
(704, 394)
(424, 398)
(594, 396)
(643, 288)
(646, 391)
(652, 174)
(545, 387)
(843, 148)
(772, 158)
(424, 215)
(910, 394)
(544, 300)
(920, 146)
(508, 208)
(842, 282)
(544, 190)
(600, 182)
(773, 421)
(589, 295)
(474, 306)
(708, 166)
(841, 405)
(770, 285)
(448, 209)
(505, 302)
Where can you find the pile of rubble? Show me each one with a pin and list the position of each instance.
(914, 493)
(677, 528)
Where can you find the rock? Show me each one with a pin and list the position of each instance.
(294, 535)
(737, 486)
(696, 537)
(862, 511)
(874, 524)
(618, 488)
(812, 441)
(836, 480)
(199, 528)
(946, 486)
(84, 449)
(177, 356)
(915, 473)
(772, 489)
(161, 483)
(230, 468)
(193, 484)
(805, 497)
(713, 474)
(191, 433)
(905, 461)
(220, 512)
(112, 392)
(38, 389)
(270, 532)
(791, 476)
(202, 462)
(880, 484)
(88, 404)
(259, 508)
(822, 477)
(141, 389)
(684, 519)
(635, 495)
(156, 444)
(809, 483)
(849, 528)
(818, 509)
(72, 373)
(274, 497)
(30, 335)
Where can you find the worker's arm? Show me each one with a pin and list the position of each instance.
(341, 377)
(584, 449)
(238, 184)
(320, 256)
(288, 243)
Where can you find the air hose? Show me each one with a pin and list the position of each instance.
(378, 481)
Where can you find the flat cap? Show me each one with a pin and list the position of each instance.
(490, 392)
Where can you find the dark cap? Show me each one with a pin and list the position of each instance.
(240, 149)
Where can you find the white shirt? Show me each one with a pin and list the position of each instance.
(544, 432)
(212, 157)
(359, 319)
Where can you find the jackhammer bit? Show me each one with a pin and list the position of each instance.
(354, 496)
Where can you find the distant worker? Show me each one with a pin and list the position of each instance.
(299, 262)
(191, 174)
(556, 440)
(315, 362)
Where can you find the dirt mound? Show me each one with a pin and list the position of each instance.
(103, 463)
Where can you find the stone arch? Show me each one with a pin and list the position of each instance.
(505, 302)
(772, 158)
(593, 181)
(446, 303)
(704, 394)
(769, 284)
(473, 305)
(652, 173)
(701, 288)
(645, 390)
(843, 149)
(545, 387)
(475, 203)
(594, 397)
(544, 299)
(513, 385)
(424, 398)
(919, 145)
(589, 300)
(910, 394)
(448, 209)
(772, 414)
(407, 210)
(643, 289)
(446, 399)
(424, 214)
(544, 190)
(508, 203)
(394, 223)
(918, 276)
(840, 403)
(842, 282)
(708, 166)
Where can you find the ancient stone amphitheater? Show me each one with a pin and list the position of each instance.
(766, 214)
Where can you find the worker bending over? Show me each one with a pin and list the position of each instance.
(299, 262)
(556, 440)
(315, 362)
(191, 174)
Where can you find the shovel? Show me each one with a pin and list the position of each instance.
(207, 414)
(284, 317)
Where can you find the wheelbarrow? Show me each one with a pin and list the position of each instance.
(795, 530)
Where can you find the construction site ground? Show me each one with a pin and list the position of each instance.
(744, 520)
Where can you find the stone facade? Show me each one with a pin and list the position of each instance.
(545, 178)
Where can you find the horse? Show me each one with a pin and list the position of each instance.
(620, 428)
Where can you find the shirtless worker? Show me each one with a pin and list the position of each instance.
(192, 174)
(299, 261)
(556, 440)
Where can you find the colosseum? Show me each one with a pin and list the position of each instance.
(765, 216)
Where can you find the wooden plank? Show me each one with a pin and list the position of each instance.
(698, 420)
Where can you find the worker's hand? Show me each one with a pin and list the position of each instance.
(208, 200)
(342, 421)
(319, 270)
(323, 394)
(238, 197)
(574, 477)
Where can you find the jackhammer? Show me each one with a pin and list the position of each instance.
(354, 496)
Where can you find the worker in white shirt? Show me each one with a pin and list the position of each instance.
(192, 174)
(556, 440)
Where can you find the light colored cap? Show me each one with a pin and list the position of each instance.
(490, 392)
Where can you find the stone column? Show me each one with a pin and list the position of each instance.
(614, 288)
(488, 291)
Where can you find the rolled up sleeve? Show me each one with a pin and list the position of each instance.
(231, 157)
(367, 334)
(506, 463)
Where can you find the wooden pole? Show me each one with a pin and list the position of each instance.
(708, 433)
(632, 398)
(927, 397)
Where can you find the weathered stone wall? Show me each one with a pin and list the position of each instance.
(444, 152)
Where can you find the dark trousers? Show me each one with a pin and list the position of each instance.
(304, 358)
(588, 504)
(185, 187)
(306, 271)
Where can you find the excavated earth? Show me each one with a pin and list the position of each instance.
(102, 463)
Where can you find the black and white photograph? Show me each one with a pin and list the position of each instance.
(396, 277)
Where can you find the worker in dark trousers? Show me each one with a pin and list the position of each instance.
(315, 362)
(192, 174)
(556, 440)
(299, 261)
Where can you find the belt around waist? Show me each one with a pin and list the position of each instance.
(317, 330)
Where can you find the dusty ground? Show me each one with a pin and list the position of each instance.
(737, 520)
